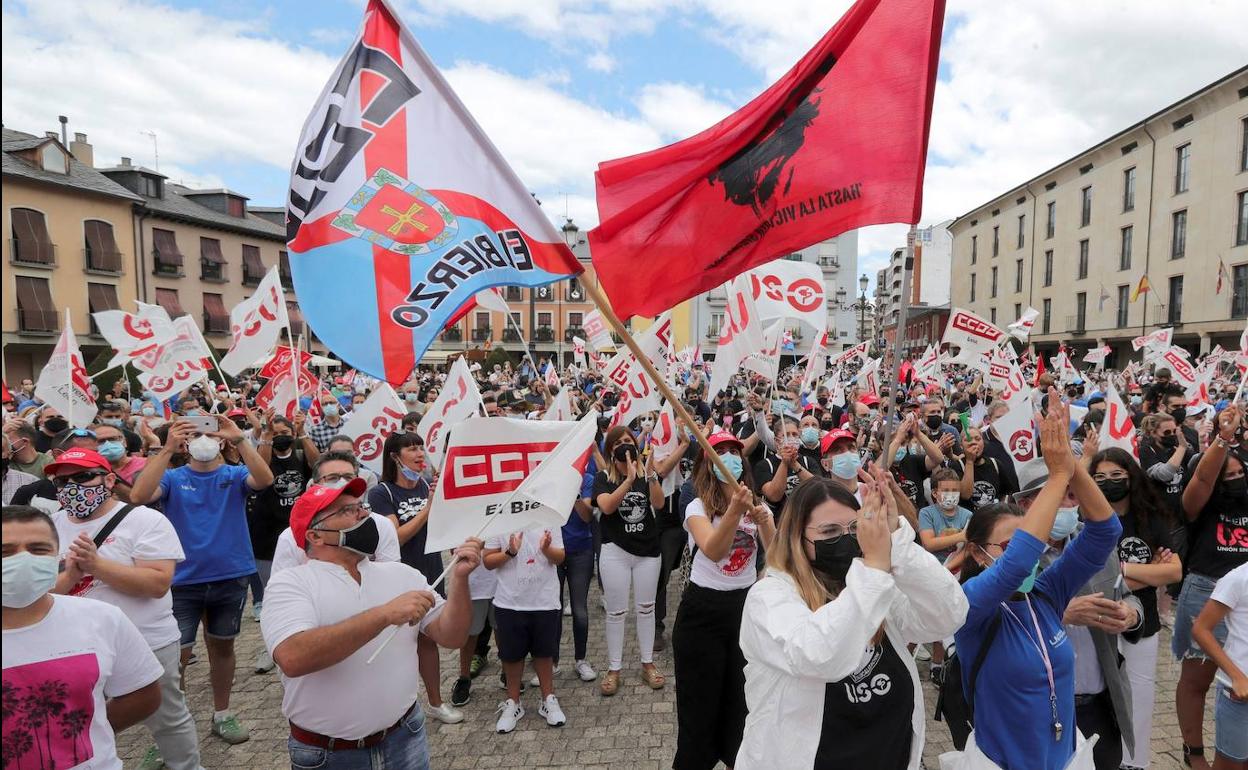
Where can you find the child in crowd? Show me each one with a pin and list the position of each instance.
(942, 531)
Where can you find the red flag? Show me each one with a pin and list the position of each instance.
(1039, 370)
(839, 142)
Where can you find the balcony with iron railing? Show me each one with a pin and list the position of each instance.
(481, 334)
(32, 253)
(831, 263)
(573, 331)
(37, 321)
(161, 266)
(453, 334)
(544, 334)
(102, 262)
(212, 272)
(1167, 315)
(510, 334)
(1076, 324)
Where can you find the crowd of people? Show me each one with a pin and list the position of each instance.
(841, 542)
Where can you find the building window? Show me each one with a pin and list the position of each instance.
(150, 186)
(35, 311)
(717, 323)
(167, 257)
(1243, 146)
(1050, 224)
(1124, 305)
(974, 248)
(1182, 168)
(1239, 291)
(544, 319)
(1124, 252)
(234, 206)
(1178, 235)
(1046, 317)
(1128, 189)
(101, 246)
(1048, 267)
(1085, 207)
(30, 242)
(1241, 224)
(992, 313)
(994, 283)
(574, 319)
(1022, 220)
(972, 287)
(1083, 259)
(168, 299)
(1174, 313)
(1081, 311)
(1018, 276)
(1018, 309)
(216, 317)
(481, 327)
(253, 267)
(996, 240)
(283, 270)
(211, 260)
(576, 292)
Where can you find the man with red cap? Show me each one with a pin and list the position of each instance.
(322, 622)
(124, 555)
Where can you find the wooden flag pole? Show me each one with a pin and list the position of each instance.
(895, 384)
(604, 307)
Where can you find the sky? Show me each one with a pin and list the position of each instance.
(560, 85)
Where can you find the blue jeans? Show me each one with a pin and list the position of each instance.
(219, 604)
(1196, 591)
(1231, 721)
(403, 749)
(577, 570)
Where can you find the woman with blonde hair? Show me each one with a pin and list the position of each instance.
(824, 634)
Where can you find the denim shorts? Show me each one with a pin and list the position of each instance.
(405, 747)
(219, 603)
(1196, 591)
(1230, 720)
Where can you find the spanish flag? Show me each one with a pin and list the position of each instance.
(1141, 288)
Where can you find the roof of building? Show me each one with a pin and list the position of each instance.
(81, 177)
(1118, 135)
(177, 206)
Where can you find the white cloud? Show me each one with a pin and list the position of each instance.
(679, 110)
(601, 61)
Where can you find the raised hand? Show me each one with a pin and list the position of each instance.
(515, 541)
(226, 429)
(468, 556)
(1055, 436)
(741, 502)
(1228, 422)
(874, 536)
(545, 542)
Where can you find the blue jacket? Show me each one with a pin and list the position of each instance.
(1013, 718)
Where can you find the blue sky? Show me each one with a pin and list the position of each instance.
(562, 84)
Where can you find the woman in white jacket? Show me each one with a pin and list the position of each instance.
(828, 680)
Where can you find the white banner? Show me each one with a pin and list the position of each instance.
(869, 376)
(133, 335)
(255, 325)
(459, 400)
(1118, 429)
(784, 288)
(741, 335)
(766, 362)
(491, 299)
(1021, 328)
(372, 423)
(1097, 355)
(816, 362)
(179, 362)
(560, 407)
(857, 352)
(638, 395)
(1014, 429)
(597, 331)
(665, 439)
(487, 459)
(63, 383)
(1175, 358)
(972, 335)
(1158, 339)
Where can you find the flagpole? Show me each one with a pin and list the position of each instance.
(604, 307)
(69, 368)
(894, 384)
(523, 342)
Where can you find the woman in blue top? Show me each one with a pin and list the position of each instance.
(1023, 698)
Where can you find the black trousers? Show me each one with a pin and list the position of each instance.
(710, 678)
(671, 547)
(1094, 715)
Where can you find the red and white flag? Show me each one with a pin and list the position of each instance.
(459, 400)
(856, 353)
(255, 325)
(784, 288)
(1118, 429)
(1098, 355)
(664, 440)
(63, 382)
(1175, 358)
(869, 376)
(597, 331)
(560, 407)
(638, 395)
(837, 143)
(134, 335)
(177, 363)
(372, 423)
(1021, 328)
(973, 336)
(766, 362)
(741, 335)
(578, 352)
(1015, 430)
(488, 459)
(1159, 339)
(816, 361)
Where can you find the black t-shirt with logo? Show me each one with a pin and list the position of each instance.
(1218, 538)
(910, 472)
(269, 509)
(1139, 543)
(1171, 492)
(866, 715)
(765, 470)
(634, 526)
(988, 487)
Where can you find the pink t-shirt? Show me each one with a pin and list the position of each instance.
(130, 469)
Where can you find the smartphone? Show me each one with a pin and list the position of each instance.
(204, 423)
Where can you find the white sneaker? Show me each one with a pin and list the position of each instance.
(255, 611)
(533, 680)
(551, 711)
(264, 662)
(567, 609)
(446, 714)
(509, 712)
(922, 653)
(585, 671)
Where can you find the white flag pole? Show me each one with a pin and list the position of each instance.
(520, 334)
(69, 367)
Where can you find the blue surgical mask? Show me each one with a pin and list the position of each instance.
(192, 412)
(733, 462)
(149, 411)
(116, 422)
(331, 410)
(1029, 582)
(112, 450)
(410, 474)
(810, 436)
(1064, 523)
(846, 465)
(901, 455)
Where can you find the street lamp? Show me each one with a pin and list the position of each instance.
(860, 306)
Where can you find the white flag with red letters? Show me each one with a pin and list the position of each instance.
(459, 400)
(372, 423)
(63, 383)
(255, 325)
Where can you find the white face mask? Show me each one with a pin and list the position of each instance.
(203, 449)
(27, 577)
(948, 500)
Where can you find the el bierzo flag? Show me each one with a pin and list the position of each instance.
(401, 208)
(839, 142)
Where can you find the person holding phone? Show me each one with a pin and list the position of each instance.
(628, 494)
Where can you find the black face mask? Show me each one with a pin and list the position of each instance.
(56, 424)
(1235, 489)
(823, 400)
(283, 443)
(933, 422)
(1170, 442)
(624, 453)
(834, 558)
(362, 538)
(1115, 489)
(1179, 414)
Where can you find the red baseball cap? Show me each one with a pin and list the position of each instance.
(869, 399)
(82, 459)
(236, 413)
(724, 437)
(833, 436)
(316, 499)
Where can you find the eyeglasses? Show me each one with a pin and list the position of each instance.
(332, 477)
(834, 532)
(1119, 476)
(1004, 544)
(83, 477)
(354, 509)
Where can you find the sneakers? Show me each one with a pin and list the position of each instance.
(230, 731)
(461, 693)
(264, 662)
(445, 714)
(533, 679)
(585, 671)
(502, 681)
(152, 760)
(509, 713)
(937, 674)
(478, 663)
(922, 653)
(255, 611)
(551, 712)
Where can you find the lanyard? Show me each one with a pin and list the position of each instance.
(1044, 655)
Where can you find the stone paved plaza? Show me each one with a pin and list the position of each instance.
(634, 729)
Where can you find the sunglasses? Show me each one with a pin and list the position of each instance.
(83, 477)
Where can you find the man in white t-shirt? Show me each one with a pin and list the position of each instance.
(132, 570)
(324, 620)
(76, 671)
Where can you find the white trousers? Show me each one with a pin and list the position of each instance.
(618, 569)
(1140, 663)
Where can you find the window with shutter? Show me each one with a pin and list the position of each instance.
(216, 318)
(101, 247)
(167, 257)
(168, 299)
(31, 243)
(35, 310)
(253, 268)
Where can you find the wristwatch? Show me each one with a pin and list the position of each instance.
(510, 553)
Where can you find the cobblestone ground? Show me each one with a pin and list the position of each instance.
(634, 729)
